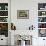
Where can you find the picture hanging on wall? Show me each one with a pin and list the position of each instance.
(22, 14)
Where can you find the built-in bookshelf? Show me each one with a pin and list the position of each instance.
(42, 19)
(4, 19)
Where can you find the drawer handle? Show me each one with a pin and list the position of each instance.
(1, 39)
(43, 39)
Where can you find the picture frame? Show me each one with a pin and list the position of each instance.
(22, 14)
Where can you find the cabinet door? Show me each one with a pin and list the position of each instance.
(41, 41)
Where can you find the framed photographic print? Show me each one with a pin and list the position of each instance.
(22, 14)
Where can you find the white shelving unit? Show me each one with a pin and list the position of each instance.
(4, 22)
(3, 12)
(4, 19)
(42, 19)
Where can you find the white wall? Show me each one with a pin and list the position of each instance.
(23, 24)
(32, 6)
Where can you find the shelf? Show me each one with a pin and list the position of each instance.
(41, 22)
(3, 22)
(41, 10)
(3, 10)
(41, 28)
(42, 16)
(3, 16)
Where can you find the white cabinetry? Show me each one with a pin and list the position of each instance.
(4, 21)
(3, 40)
